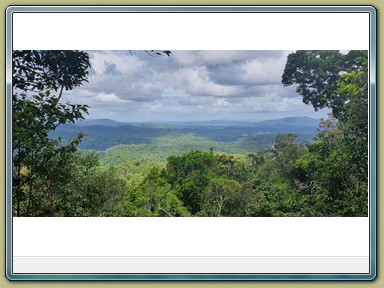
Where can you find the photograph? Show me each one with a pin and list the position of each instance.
(190, 133)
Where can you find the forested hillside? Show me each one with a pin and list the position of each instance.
(297, 166)
(102, 134)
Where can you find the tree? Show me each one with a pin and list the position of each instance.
(189, 174)
(354, 121)
(274, 198)
(224, 197)
(42, 70)
(153, 197)
(158, 52)
(335, 169)
(284, 141)
(256, 163)
(97, 192)
(36, 112)
(317, 73)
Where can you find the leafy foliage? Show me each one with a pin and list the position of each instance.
(317, 74)
(336, 167)
(153, 197)
(36, 156)
(189, 174)
(224, 197)
(42, 70)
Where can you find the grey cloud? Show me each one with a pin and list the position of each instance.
(111, 69)
(189, 84)
(212, 58)
(210, 73)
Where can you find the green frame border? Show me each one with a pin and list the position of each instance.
(43, 2)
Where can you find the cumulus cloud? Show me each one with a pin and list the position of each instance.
(188, 85)
(109, 98)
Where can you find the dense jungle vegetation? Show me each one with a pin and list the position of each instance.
(200, 174)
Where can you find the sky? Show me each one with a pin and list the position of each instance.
(131, 86)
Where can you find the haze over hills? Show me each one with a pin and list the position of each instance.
(102, 122)
(105, 133)
(297, 121)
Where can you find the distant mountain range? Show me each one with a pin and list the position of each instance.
(105, 133)
(102, 122)
(297, 121)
